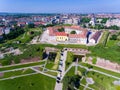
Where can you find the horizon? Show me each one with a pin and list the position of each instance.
(53, 6)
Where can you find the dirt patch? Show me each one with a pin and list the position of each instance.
(30, 60)
(1, 74)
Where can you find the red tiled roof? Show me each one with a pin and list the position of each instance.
(77, 36)
(22, 23)
(38, 23)
(53, 31)
(60, 34)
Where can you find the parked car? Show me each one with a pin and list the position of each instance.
(61, 54)
(58, 81)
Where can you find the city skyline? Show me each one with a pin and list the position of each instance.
(53, 6)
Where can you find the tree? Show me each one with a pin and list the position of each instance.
(85, 20)
(113, 37)
(73, 32)
(13, 33)
(71, 82)
(118, 37)
(104, 20)
(114, 27)
(61, 30)
(31, 25)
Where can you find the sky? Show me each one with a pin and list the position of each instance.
(60, 6)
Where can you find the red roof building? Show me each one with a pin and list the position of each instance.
(60, 34)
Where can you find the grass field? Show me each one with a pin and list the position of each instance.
(21, 66)
(102, 82)
(17, 73)
(102, 70)
(69, 59)
(33, 82)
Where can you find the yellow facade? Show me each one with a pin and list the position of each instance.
(61, 38)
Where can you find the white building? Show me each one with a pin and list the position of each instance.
(113, 22)
(93, 21)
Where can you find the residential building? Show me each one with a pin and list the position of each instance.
(112, 22)
(61, 36)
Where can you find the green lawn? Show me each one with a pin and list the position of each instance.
(102, 70)
(17, 73)
(21, 66)
(69, 59)
(102, 82)
(49, 64)
(109, 51)
(33, 82)
(51, 73)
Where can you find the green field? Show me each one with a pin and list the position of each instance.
(102, 70)
(17, 73)
(102, 82)
(69, 59)
(21, 66)
(33, 82)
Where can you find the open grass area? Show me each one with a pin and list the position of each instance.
(56, 62)
(104, 38)
(21, 66)
(102, 70)
(71, 72)
(49, 64)
(51, 73)
(16, 73)
(107, 49)
(33, 82)
(30, 51)
(102, 82)
(69, 59)
(109, 53)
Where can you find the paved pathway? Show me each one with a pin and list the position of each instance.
(43, 73)
(59, 86)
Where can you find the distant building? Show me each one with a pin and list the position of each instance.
(21, 23)
(93, 21)
(80, 37)
(1, 30)
(113, 22)
(6, 30)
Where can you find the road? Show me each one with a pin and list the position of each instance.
(58, 86)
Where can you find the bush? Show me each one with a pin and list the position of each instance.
(113, 37)
(5, 62)
(94, 60)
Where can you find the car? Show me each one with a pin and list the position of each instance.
(66, 49)
(58, 81)
(59, 70)
(61, 63)
(61, 60)
(61, 54)
(58, 78)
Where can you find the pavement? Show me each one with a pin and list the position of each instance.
(59, 86)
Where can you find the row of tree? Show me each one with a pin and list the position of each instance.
(14, 33)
